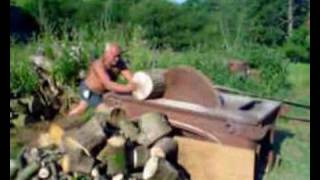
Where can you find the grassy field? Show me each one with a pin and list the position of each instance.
(293, 138)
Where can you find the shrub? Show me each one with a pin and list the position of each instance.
(23, 79)
(297, 46)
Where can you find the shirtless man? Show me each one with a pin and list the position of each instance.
(101, 77)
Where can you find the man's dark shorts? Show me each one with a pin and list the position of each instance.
(93, 99)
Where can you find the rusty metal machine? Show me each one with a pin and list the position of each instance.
(196, 109)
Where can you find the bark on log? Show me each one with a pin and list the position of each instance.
(140, 156)
(153, 126)
(166, 147)
(150, 84)
(44, 140)
(113, 155)
(118, 177)
(53, 169)
(59, 128)
(89, 136)
(159, 169)
(28, 171)
(129, 130)
(111, 116)
(77, 161)
(135, 176)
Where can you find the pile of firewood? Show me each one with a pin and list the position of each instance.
(108, 146)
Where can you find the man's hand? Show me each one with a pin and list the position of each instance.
(132, 86)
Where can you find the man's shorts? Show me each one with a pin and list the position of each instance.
(93, 99)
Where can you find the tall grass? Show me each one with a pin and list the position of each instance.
(23, 79)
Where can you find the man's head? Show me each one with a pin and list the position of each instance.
(111, 54)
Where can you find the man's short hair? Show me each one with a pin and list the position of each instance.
(109, 45)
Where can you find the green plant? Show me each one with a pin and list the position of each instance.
(298, 45)
(23, 79)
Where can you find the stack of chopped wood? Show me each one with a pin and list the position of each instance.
(108, 146)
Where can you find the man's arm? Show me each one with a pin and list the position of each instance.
(127, 75)
(108, 84)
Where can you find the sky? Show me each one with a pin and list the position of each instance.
(178, 1)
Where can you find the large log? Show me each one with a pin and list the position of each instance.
(166, 147)
(89, 137)
(58, 129)
(150, 84)
(153, 126)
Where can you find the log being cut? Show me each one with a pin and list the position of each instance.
(150, 84)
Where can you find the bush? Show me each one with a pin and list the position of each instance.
(67, 67)
(273, 67)
(297, 46)
(23, 80)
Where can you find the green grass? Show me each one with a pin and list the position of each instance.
(299, 77)
(293, 140)
(294, 143)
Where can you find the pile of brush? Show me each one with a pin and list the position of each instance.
(108, 146)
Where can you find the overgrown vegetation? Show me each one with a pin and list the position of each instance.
(204, 34)
(22, 78)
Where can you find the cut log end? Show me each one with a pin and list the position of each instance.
(150, 168)
(149, 84)
(116, 141)
(43, 173)
(158, 152)
(55, 133)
